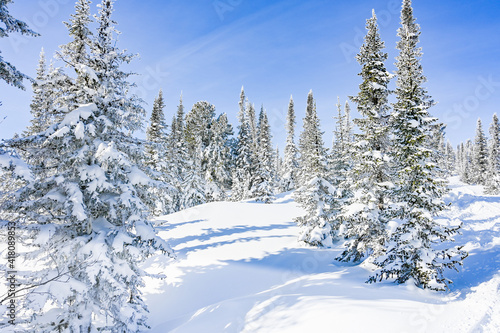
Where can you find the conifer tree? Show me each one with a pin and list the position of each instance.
(193, 185)
(262, 185)
(311, 149)
(480, 156)
(245, 158)
(410, 252)
(450, 158)
(290, 163)
(155, 133)
(9, 72)
(157, 127)
(40, 103)
(76, 55)
(368, 209)
(159, 168)
(316, 195)
(493, 173)
(178, 156)
(278, 167)
(218, 160)
(340, 159)
(94, 200)
(466, 162)
(339, 165)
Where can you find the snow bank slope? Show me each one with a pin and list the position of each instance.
(240, 269)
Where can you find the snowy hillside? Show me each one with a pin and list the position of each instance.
(240, 269)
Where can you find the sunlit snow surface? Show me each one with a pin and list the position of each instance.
(239, 268)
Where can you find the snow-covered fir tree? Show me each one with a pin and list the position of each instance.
(75, 55)
(193, 185)
(340, 158)
(278, 167)
(89, 212)
(410, 252)
(218, 160)
(251, 118)
(367, 213)
(480, 156)
(450, 158)
(311, 147)
(316, 195)
(437, 143)
(493, 173)
(289, 176)
(156, 132)
(245, 158)
(263, 182)
(40, 103)
(208, 136)
(339, 164)
(466, 174)
(199, 125)
(8, 72)
(177, 155)
(159, 168)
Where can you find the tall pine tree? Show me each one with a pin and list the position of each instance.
(316, 195)
(290, 163)
(245, 158)
(480, 156)
(411, 252)
(367, 213)
(263, 183)
(493, 173)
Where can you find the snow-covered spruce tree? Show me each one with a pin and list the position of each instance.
(217, 156)
(278, 167)
(458, 162)
(90, 213)
(262, 185)
(450, 158)
(339, 164)
(199, 125)
(437, 143)
(9, 24)
(340, 158)
(200, 137)
(290, 161)
(193, 185)
(493, 174)
(245, 158)
(156, 131)
(410, 252)
(480, 156)
(466, 162)
(252, 124)
(76, 56)
(311, 148)
(316, 195)
(159, 167)
(40, 103)
(367, 213)
(177, 155)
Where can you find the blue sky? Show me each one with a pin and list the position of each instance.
(209, 49)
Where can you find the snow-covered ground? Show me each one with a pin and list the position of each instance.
(239, 268)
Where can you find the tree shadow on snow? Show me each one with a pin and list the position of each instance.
(236, 230)
(479, 267)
